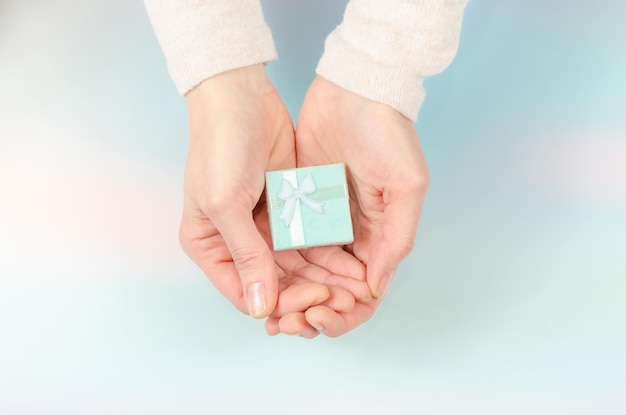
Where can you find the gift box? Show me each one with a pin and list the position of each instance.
(309, 206)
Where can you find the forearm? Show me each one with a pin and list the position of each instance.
(383, 50)
(203, 38)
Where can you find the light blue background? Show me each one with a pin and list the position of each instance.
(512, 302)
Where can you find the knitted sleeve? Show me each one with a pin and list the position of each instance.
(384, 49)
(202, 38)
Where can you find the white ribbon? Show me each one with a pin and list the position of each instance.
(292, 195)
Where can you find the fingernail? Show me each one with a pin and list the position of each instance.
(384, 286)
(317, 327)
(257, 303)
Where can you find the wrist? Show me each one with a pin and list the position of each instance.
(355, 103)
(248, 80)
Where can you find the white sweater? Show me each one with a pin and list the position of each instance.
(383, 49)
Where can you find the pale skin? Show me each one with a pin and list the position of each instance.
(239, 128)
(387, 177)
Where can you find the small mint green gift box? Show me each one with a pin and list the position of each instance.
(309, 206)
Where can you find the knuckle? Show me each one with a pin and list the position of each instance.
(405, 245)
(418, 184)
(184, 237)
(247, 259)
(217, 203)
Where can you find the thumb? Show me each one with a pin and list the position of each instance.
(399, 227)
(252, 259)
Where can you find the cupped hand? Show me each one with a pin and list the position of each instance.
(387, 177)
(239, 129)
(329, 277)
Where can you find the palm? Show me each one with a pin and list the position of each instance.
(315, 277)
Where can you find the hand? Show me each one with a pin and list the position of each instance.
(238, 129)
(326, 276)
(387, 178)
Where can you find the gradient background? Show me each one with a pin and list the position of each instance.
(512, 302)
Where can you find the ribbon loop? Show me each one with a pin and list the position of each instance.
(291, 195)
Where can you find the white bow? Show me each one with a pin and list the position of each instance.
(291, 195)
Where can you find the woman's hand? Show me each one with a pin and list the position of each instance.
(387, 178)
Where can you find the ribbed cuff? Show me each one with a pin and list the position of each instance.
(354, 70)
(201, 39)
(384, 51)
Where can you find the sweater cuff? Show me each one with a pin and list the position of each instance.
(384, 51)
(201, 39)
(357, 72)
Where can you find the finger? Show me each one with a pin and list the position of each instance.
(297, 265)
(399, 227)
(336, 260)
(339, 299)
(271, 326)
(333, 324)
(299, 297)
(251, 256)
(295, 324)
